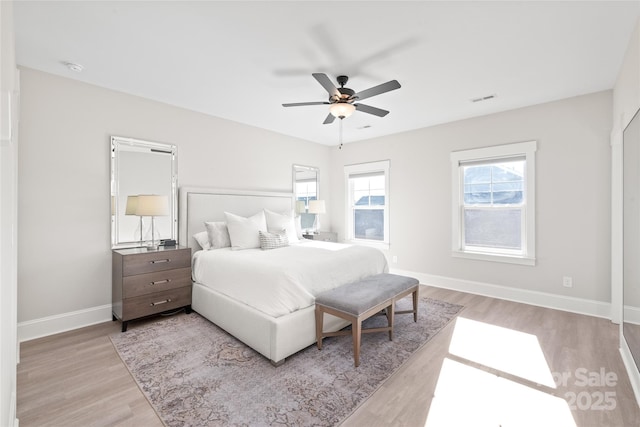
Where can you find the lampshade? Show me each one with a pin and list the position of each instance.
(152, 205)
(316, 207)
(132, 205)
(341, 109)
(300, 206)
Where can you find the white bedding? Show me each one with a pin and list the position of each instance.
(283, 280)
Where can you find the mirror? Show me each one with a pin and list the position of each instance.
(142, 168)
(631, 237)
(305, 188)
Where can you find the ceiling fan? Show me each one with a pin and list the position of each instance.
(343, 100)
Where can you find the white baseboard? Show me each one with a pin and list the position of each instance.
(541, 299)
(13, 421)
(632, 369)
(632, 315)
(46, 326)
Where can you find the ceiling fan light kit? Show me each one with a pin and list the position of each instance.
(341, 110)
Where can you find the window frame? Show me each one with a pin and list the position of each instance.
(491, 155)
(362, 169)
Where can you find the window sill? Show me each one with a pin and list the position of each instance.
(509, 259)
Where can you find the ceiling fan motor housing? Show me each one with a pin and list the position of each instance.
(346, 94)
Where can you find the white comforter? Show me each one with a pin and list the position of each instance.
(283, 280)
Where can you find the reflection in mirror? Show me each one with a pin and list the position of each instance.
(631, 237)
(142, 168)
(305, 187)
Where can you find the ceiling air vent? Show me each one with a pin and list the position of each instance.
(483, 98)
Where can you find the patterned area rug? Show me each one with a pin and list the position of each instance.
(195, 374)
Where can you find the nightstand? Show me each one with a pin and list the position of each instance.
(325, 236)
(150, 282)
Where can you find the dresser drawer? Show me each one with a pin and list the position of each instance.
(157, 302)
(155, 261)
(159, 281)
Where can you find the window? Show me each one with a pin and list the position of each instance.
(494, 203)
(368, 202)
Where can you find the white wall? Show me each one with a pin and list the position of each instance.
(8, 216)
(64, 263)
(573, 201)
(64, 266)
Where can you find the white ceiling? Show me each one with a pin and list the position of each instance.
(241, 60)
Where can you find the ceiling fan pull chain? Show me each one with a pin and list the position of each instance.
(340, 146)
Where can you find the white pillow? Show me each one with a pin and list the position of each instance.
(243, 232)
(218, 234)
(278, 222)
(203, 240)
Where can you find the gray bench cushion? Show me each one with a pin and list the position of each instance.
(357, 297)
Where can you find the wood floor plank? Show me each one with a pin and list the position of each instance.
(77, 379)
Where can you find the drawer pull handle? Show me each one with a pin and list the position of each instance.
(160, 282)
(157, 261)
(160, 302)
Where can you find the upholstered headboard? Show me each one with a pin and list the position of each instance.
(197, 205)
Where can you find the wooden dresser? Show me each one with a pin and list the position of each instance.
(150, 282)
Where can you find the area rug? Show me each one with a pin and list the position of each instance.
(195, 374)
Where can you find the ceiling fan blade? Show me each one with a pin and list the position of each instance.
(326, 84)
(330, 118)
(301, 104)
(377, 90)
(371, 110)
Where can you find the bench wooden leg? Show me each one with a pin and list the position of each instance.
(319, 322)
(415, 306)
(356, 329)
(390, 318)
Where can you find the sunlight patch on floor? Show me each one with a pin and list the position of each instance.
(468, 396)
(506, 350)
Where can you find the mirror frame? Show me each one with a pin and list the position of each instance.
(301, 168)
(630, 274)
(117, 143)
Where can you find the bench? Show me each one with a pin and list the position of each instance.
(357, 301)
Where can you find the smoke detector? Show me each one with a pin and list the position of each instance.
(73, 66)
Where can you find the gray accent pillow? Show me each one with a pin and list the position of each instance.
(218, 234)
(273, 240)
(203, 240)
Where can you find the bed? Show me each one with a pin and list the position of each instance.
(265, 298)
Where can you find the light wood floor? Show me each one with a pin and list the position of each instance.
(77, 379)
